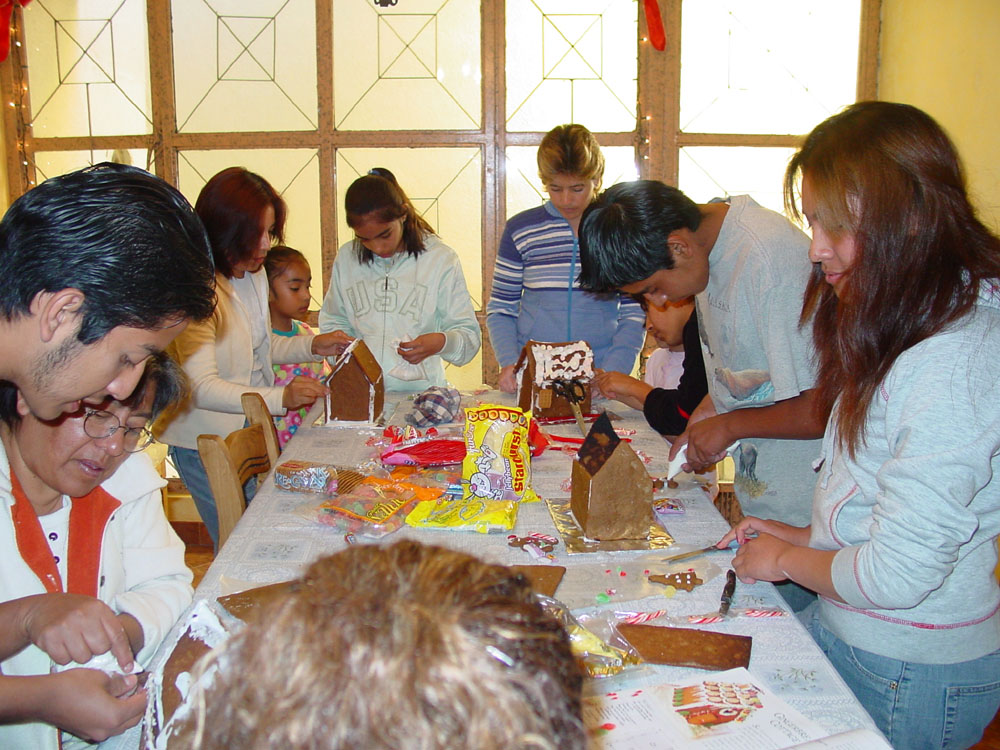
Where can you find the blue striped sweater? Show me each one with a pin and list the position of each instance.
(536, 296)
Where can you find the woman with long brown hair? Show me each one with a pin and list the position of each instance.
(905, 308)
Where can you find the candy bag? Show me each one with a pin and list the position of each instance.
(497, 464)
(472, 514)
(373, 508)
(306, 476)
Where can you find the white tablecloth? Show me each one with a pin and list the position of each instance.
(272, 543)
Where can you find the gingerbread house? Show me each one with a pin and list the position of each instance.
(541, 364)
(357, 388)
(612, 494)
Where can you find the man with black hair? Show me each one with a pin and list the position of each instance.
(747, 268)
(101, 268)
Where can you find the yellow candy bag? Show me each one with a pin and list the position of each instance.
(496, 475)
(497, 463)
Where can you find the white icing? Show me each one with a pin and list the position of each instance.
(566, 361)
(202, 624)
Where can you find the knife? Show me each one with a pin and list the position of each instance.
(727, 592)
(692, 553)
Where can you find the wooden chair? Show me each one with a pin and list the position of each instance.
(229, 463)
(256, 412)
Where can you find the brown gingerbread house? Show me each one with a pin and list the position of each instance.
(540, 364)
(612, 494)
(357, 388)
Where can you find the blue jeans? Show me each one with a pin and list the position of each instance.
(192, 473)
(915, 705)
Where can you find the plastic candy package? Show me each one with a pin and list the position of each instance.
(444, 479)
(497, 463)
(306, 476)
(464, 514)
(595, 642)
(373, 508)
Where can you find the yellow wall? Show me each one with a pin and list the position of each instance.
(942, 57)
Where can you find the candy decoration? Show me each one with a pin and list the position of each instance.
(764, 613)
(704, 619)
(643, 617)
(654, 23)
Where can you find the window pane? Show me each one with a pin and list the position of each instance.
(571, 62)
(524, 188)
(766, 66)
(715, 172)
(52, 163)
(414, 66)
(445, 186)
(294, 173)
(244, 65)
(87, 69)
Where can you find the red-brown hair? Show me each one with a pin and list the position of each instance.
(231, 206)
(887, 175)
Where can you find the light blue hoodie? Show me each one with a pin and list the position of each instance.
(915, 515)
(400, 298)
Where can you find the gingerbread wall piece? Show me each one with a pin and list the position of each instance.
(357, 388)
(540, 364)
(685, 647)
(611, 494)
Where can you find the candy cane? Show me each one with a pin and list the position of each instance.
(640, 617)
(704, 619)
(763, 613)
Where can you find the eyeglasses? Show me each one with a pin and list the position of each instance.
(100, 424)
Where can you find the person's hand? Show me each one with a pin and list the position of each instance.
(331, 344)
(302, 391)
(706, 442)
(421, 347)
(508, 382)
(91, 704)
(759, 559)
(73, 627)
(622, 388)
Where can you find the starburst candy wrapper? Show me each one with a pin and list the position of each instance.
(497, 463)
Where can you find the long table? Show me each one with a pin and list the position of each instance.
(273, 543)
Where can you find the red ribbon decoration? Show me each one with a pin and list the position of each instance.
(6, 9)
(654, 24)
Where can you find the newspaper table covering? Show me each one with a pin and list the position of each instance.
(272, 543)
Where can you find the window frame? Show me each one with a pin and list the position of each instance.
(657, 137)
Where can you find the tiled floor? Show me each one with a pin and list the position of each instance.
(198, 558)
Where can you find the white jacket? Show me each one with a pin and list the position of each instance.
(400, 298)
(141, 569)
(217, 356)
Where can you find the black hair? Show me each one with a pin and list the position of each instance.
(125, 238)
(279, 258)
(162, 372)
(378, 192)
(623, 234)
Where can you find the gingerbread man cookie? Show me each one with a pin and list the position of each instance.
(686, 580)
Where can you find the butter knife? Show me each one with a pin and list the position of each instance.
(692, 553)
(727, 593)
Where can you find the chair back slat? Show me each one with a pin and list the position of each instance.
(256, 412)
(229, 463)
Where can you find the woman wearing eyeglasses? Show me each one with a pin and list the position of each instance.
(87, 553)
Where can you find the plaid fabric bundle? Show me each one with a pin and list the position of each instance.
(436, 405)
